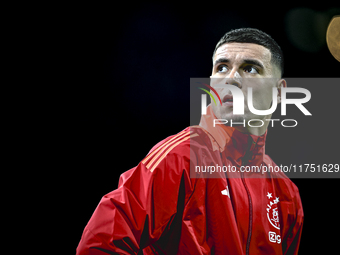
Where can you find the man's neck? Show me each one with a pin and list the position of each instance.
(257, 127)
(252, 130)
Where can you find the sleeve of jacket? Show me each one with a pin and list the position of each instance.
(143, 207)
(294, 237)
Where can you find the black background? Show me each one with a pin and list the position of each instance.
(124, 86)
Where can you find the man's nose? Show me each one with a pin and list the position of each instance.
(234, 78)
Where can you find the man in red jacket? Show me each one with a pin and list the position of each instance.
(168, 205)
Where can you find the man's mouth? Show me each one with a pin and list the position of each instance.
(227, 100)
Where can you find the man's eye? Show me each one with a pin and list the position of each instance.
(222, 69)
(251, 69)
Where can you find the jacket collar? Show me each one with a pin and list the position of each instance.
(234, 143)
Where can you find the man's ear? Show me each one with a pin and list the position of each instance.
(280, 84)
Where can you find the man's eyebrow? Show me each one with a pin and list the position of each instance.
(246, 61)
(253, 62)
(221, 60)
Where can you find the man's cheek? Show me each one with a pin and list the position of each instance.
(219, 91)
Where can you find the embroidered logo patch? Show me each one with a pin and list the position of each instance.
(272, 211)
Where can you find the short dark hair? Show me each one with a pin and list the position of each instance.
(253, 35)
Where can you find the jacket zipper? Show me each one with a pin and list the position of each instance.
(253, 144)
(250, 215)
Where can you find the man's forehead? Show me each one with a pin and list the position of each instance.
(243, 51)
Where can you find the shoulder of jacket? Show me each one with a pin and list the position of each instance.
(201, 138)
(181, 145)
(178, 144)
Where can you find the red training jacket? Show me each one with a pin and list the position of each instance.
(159, 208)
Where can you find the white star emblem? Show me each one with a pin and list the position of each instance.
(226, 192)
(276, 200)
(269, 195)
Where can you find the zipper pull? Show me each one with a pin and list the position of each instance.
(253, 144)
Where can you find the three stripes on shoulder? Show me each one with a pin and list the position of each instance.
(152, 160)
